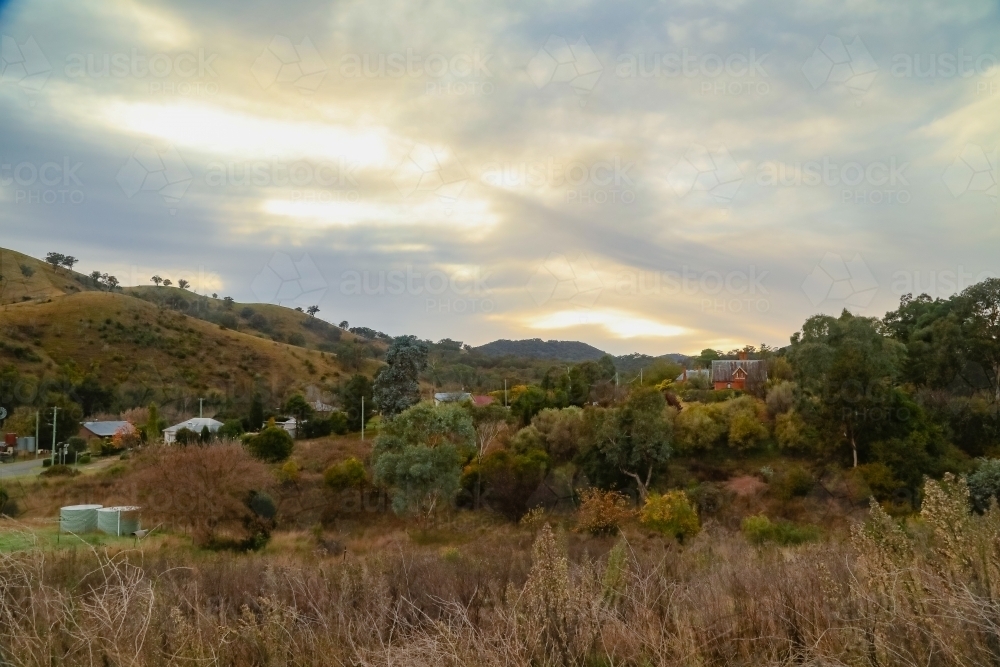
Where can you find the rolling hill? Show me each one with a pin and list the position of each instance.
(161, 344)
(536, 348)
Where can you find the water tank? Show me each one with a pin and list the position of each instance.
(78, 518)
(122, 520)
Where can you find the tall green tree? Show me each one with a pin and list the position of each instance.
(635, 439)
(982, 329)
(396, 387)
(418, 456)
(849, 369)
(299, 407)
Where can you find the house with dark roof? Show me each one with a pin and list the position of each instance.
(103, 429)
(744, 374)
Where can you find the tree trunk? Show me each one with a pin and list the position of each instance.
(642, 486)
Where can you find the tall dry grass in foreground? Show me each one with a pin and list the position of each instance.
(928, 597)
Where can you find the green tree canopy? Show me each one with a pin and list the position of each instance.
(418, 455)
(396, 387)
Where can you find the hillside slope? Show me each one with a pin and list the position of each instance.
(536, 348)
(24, 278)
(144, 352)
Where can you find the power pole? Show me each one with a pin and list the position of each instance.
(505, 392)
(38, 426)
(201, 407)
(55, 412)
(362, 419)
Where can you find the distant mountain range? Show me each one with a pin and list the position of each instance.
(569, 350)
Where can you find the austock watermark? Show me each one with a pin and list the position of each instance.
(599, 181)
(840, 282)
(289, 281)
(736, 291)
(874, 182)
(457, 292)
(283, 62)
(559, 62)
(43, 183)
(307, 181)
(733, 74)
(982, 67)
(938, 283)
(445, 73)
(185, 73)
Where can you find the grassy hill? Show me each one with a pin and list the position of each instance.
(161, 344)
(24, 278)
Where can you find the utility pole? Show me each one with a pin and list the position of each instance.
(362, 419)
(201, 407)
(55, 412)
(38, 426)
(505, 392)
(640, 376)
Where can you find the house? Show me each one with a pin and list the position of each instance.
(196, 424)
(290, 425)
(103, 430)
(452, 397)
(482, 401)
(322, 408)
(745, 374)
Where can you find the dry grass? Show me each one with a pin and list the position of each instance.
(886, 597)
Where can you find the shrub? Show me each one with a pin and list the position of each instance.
(289, 472)
(879, 480)
(83, 458)
(76, 444)
(708, 498)
(603, 512)
(698, 428)
(671, 514)
(204, 489)
(297, 339)
(46, 463)
(59, 470)
(791, 431)
(273, 444)
(984, 484)
(781, 398)
(260, 322)
(231, 430)
(345, 475)
(793, 482)
(186, 436)
(509, 479)
(758, 529)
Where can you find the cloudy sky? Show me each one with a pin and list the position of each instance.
(651, 177)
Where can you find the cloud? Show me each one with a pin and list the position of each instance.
(421, 159)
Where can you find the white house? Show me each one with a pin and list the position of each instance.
(196, 424)
(291, 425)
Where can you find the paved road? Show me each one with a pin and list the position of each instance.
(19, 468)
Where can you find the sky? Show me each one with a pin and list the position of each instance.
(645, 177)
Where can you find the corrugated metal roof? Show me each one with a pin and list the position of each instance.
(723, 370)
(105, 429)
(196, 425)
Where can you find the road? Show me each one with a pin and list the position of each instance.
(19, 468)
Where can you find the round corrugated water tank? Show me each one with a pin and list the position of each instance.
(122, 520)
(78, 518)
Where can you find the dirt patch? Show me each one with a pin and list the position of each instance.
(745, 485)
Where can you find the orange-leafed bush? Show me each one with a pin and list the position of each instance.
(603, 512)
